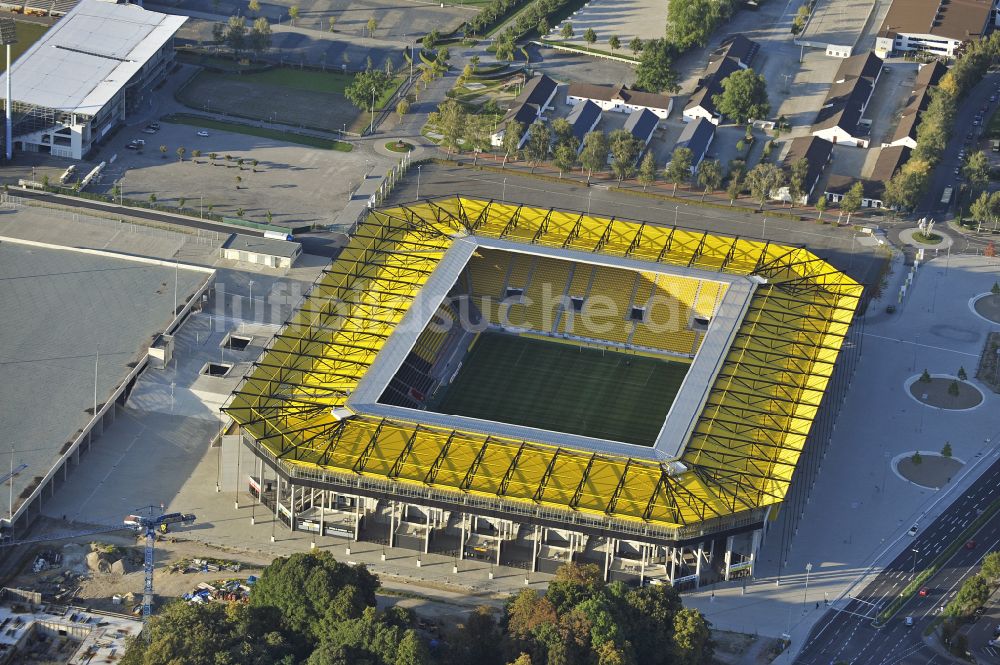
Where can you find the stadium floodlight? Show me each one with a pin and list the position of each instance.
(8, 36)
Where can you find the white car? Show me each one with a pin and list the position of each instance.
(913, 530)
(202, 132)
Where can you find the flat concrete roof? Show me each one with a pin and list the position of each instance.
(269, 246)
(60, 308)
(82, 62)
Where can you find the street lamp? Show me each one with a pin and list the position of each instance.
(418, 182)
(371, 129)
(503, 194)
(8, 36)
(251, 295)
(805, 593)
(915, 553)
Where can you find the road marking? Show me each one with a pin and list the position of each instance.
(925, 346)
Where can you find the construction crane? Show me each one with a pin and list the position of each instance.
(150, 523)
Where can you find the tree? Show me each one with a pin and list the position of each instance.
(744, 96)
(625, 150)
(692, 639)
(710, 176)
(450, 122)
(564, 158)
(254, 6)
(562, 132)
(240, 212)
(614, 43)
(946, 449)
(595, 152)
(735, 186)
(293, 13)
(218, 33)
(925, 377)
(307, 588)
(679, 168)
(539, 139)
(764, 179)
(239, 179)
(181, 201)
(647, 170)
(268, 216)
(797, 181)
(590, 37)
(953, 388)
(477, 134)
(180, 153)
(260, 36)
(195, 154)
(163, 151)
(505, 49)
(543, 27)
(821, 205)
(991, 566)
(359, 92)
(962, 376)
(236, 34)
(995, 290)
(916, 458)
(691, 22)
(512, 134)
(635, 46)
(371, 26)
(152, 199)
(977, 171)
(332, 21)
(402, 108)
(655, 72)
(567, 30)
(852, 199)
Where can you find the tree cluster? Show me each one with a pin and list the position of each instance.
(531, 18)
(581, 620)
(655, 72)
(936, 122)
(460, 129)
(360, 91)
(307, 608)
(238, 38)
(743, 97)
(692, 22)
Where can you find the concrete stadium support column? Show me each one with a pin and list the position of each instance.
(277, 493)
(357, 518)
(609, 546)
(291, 507)
(427, 532)
(392, 525)
(673, 564)
(729, 556)
(758, 537)
(322, 512)
(643, 551)
(536, 547)
(461, 538)
(697, 565)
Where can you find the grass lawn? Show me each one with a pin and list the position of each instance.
(564, 388)
(27, 34)
(263, 132)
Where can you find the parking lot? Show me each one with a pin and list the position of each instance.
(837, 22)
(890, 97)
(645, 19)
(297, 184)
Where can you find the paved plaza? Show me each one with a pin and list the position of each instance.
(837, 22)
(645, 19)
(860, 509)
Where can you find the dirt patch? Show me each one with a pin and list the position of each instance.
(935, 393)
(933, 470)
(988, 307)
(742, 649)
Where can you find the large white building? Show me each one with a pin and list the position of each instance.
(939, 27)
(82, 78)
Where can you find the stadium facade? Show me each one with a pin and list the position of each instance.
(340, 412)
(79, 81)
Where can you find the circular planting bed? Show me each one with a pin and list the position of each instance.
(399, 146)
(940, 392)
(932, 470)
(927, 239)
(988, 307)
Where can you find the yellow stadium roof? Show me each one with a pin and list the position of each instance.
(740, 455)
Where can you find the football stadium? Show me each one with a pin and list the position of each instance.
(529, 386)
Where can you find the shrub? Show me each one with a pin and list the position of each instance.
(946, 450)
(925, 377)
(953, 389)
(962, 376)
(917, 459)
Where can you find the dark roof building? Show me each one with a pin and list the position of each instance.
(889, 161)
(815, 151)
(906, 129)
(737, 47)
(697, 136)
(641, 125)
(839, 119)
(583, 118)
(538, 91)
(619, 98)
(700, 104)
(528, 106)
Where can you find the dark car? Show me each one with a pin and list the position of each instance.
(970, 544)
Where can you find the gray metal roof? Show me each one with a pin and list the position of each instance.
(696, 135)
(641, 124)
(269, 246)
(61, 307)
(82, 62)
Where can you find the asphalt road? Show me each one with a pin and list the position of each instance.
(847, 634)
(837, 245)
(944, 174)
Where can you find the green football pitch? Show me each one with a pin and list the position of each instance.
(554, 386)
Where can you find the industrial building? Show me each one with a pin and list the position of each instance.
(340, 409)
(936, 27)
(86, 74)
